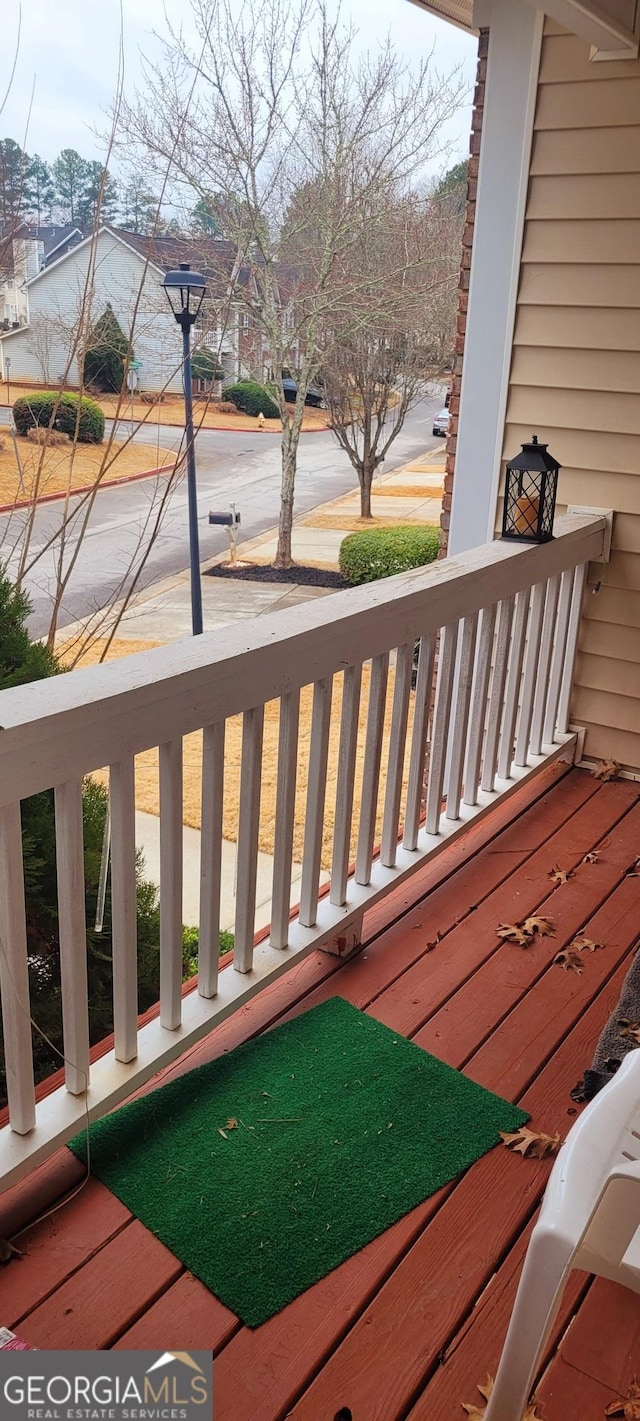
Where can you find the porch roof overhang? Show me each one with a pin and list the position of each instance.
(600, 23)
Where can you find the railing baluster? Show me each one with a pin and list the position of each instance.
(14, 975)
(440, 731)
(316, 793)
(421, 711)
(248, 826)
(72, 933)
(285, 817)
(514, 678)
(371, 772)
(344, 786)
(546, 647)
(557, 659)
(479, 706)
(461, 716)
(213, 737)
(572, 644)
(124, 909)
(496, 698)
(530, 673)
(171, 871)
(395, 761)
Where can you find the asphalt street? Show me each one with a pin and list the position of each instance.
(232, 466)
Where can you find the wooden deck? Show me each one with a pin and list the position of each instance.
(407, 1327)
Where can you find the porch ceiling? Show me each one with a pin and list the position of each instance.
(609, 25)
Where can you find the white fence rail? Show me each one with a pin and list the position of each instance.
(501, 623)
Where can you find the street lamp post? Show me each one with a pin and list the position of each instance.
(8, 369)
(185, 292)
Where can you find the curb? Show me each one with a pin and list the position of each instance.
(87, 488)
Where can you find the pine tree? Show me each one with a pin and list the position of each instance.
(138, 207)
(106, 353)
(70, 177)
(39, 190)
(99, 196)
(13, 169)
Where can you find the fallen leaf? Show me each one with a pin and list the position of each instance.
(569, 959)
(605, 770)
(223, 1133)
(477, 1413)
(231, 1124)
(560, 875)
(629, 1406)
(630, 1029)
(530, 1143)
(7, 1251)
(586, 944)
(536, 924)
(635, 871)
(591, 858)
(512, 933)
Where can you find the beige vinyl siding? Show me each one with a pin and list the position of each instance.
(575, 371)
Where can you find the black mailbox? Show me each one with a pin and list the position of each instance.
(225, 520)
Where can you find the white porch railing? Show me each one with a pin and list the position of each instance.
(502, 621)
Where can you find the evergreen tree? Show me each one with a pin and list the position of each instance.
(99, 191)
(205, 218)
(106, 353)
(452, 188)
(70, 178)
(13, 169)
(39, 191)
(138, 207)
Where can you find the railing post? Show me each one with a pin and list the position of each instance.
(14, 975)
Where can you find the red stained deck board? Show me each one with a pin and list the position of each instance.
(402, 946)
(475, 1350)
(610, 1354)
(512, 972)
(426, 986)
(382, 1364)
(105, 1296)
(57, 1247)
(187, 1316)
(567, 1395)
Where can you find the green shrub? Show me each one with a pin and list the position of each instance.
(190, 942)
(251, 398)
(205, 366)
(382, 552)
(60, 412)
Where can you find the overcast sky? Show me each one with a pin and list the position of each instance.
(69, 52)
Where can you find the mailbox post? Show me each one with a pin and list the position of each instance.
(231, 521)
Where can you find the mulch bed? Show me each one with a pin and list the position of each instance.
(303, 576)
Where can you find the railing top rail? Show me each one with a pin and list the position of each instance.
(59, 729)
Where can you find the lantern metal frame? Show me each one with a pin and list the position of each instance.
(531, 487)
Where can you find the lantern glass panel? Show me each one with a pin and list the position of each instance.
(530, 494)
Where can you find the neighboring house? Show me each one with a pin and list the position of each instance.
(26, 252)
(124, 270)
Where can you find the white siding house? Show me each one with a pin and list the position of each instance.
(93, 275)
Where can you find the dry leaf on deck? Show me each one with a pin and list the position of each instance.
(7, 1251)
(560, 875)
(586, 944)
(629, 1407)
(591, 858)
(635, 871)
(629, 1028)
(512, 933)
(536, 924)
(477, 1413)
(532, 1144)
(569, 959)
(605, 770)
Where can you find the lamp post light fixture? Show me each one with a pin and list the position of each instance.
(7, 363)
(185, 292)
(530, 494)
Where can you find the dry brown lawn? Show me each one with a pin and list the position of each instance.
(171, 411)
(147, 797)
(66, 468)
(343, 522)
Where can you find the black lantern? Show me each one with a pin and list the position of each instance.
(185, 293)
(530, 494)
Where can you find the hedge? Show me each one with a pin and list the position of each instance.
(382, 552)
(251, 398)
(37, 411)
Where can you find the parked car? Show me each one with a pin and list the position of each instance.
(441, 422)
(313, 396)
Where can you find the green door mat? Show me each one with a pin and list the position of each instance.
(265, 1169)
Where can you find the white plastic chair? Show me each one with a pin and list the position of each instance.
(589, 1216)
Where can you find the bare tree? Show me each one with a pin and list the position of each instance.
(294, 145)
(400, 334)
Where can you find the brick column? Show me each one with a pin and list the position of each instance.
(463, 287)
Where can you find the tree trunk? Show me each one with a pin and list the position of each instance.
(283, 556)
(366, 480)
